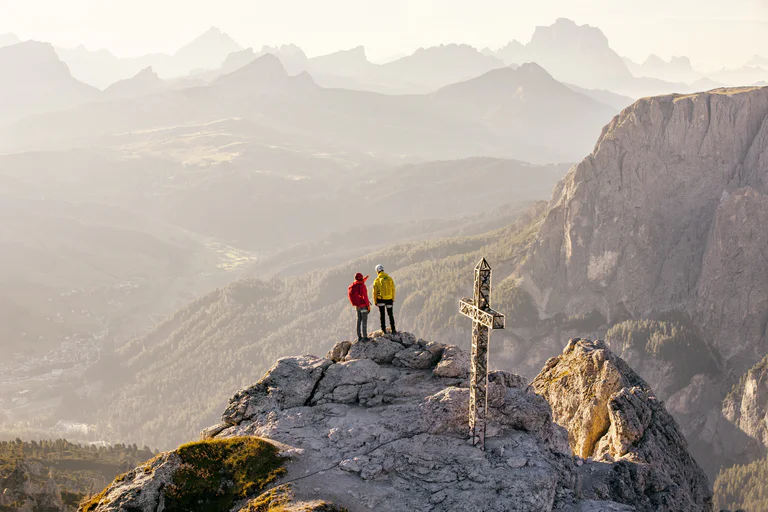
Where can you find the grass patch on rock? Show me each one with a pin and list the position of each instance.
(217, 472)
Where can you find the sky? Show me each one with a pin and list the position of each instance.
(711, 33)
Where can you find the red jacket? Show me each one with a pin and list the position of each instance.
(358, 294)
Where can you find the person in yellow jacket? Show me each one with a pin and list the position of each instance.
(384, 297)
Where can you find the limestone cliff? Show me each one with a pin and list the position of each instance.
(382, 425)
(645, 223)
(746, 406)
(665, 220)
(612, 415)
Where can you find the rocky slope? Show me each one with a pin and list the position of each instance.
(680, 175)
(382, 425)
(665, 218)
(612, 415)
(26, 489)
(746, 406)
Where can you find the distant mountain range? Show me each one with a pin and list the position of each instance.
(679, 69)
(571, 53)
(578, 55)
(523, 114)
(101, 68)
(144, 83)
(40, 82)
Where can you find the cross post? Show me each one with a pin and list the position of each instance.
(483, 319)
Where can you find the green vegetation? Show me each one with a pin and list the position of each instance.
(281, 499)
(215, 473)
(673, 340)
(179, 376)
(743, 487)
(77, 469)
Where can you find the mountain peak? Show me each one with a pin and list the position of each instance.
(8, 39)
(33, 58)
(143, 83)
(147, 72)
(207, 50)
(403, 402)
(533, 69)
(567, 31)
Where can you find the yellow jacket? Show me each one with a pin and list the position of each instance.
(383, 288)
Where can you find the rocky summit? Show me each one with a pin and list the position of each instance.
(382, 425)
(613, 416)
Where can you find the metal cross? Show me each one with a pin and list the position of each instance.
(483, 318)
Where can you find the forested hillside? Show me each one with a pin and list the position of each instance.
(743, 487)
(231, 336)
(78, 470)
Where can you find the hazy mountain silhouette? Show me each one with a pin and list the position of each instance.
(206, 51)
(41, 82)
(512, 53)
(529, 106)
(745, 75)
(578, 54)
(523, 114)
(8, 40)
(101, 68)
(616, 101)
(441, 65)
(145, 82)
(677, 69)
(293, 58)
(352, 63)
(265, 74)
(236, 60)
(758, 60)
(581, 55)
(705, 84)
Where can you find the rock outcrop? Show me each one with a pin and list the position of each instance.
(665, 218)
(612, 415)
(382, 425)
(385, 421)
(26, 489)
(746, 406)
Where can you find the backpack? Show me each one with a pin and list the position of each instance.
(386, 287)
(354, 294)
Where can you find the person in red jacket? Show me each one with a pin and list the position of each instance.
(358, 296)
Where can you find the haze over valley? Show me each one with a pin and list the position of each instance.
(173, 223)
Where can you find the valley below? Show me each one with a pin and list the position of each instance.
(178, 233)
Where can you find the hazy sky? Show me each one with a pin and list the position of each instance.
(710, 32)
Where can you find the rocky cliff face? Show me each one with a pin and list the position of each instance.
(666, 217)
(612, 415)
(20, 492)
(746, 406)
(382, 425)
(629, 227)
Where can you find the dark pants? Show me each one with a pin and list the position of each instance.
(362, 323)
(387, 306)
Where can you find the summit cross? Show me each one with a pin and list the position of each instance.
(483, 319)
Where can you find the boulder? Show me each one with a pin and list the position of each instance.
(612, 416)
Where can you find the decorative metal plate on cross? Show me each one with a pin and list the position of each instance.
(483, 319)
